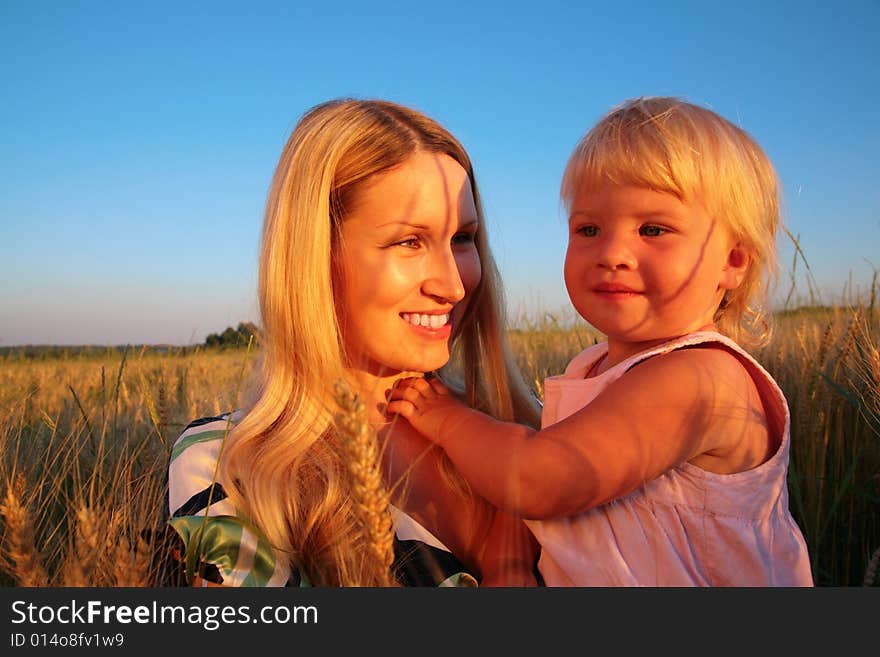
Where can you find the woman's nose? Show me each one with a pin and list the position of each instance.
(443, 278)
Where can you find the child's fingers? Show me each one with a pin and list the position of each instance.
(399, 386)
(413, 392)
(423, 386)
(404, 393)
(396, 389)
(412, 383)
(409, 394)
(437, 386)
(400, 407)
(405, 382)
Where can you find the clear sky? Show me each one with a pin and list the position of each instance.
(137, 140)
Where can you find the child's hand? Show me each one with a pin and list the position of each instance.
(425, 403)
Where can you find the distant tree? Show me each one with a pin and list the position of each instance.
(229, 337)
(234, 337)
(248, 329)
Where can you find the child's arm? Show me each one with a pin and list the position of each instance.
(667, 410)
(493, 545)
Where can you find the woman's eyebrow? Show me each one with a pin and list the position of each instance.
(418, 226)
(403, 222)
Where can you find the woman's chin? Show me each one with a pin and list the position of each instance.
(422, 365)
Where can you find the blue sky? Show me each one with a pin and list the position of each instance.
(137, 140)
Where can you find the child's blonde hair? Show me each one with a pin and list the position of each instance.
(671, 146)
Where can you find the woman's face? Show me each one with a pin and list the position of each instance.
(404, 264)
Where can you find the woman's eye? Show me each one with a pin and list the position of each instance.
(651, 231)
(587, 231)
(409, 243)
(463, 238)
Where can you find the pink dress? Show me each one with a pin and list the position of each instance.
(688, 527)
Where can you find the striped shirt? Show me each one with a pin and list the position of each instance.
(220, 546)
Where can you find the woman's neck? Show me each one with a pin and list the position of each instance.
(401, 447)
(371, 388)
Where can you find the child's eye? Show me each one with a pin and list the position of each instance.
(587, 231)
(651, 231)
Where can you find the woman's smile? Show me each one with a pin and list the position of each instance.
(431, 321)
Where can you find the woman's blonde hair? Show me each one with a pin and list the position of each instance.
(672, 146)
(283, 465)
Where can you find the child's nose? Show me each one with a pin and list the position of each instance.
(615, 253)
(443, 280)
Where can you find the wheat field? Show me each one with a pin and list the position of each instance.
(86, 435)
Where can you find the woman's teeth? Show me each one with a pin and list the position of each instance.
(428, 321)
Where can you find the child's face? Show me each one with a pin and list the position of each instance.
(405, 263)
(643, 266)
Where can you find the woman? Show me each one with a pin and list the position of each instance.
(374, 265)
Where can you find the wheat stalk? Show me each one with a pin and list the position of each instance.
(131, 562)
(80, 569)
(125, 562)
(371, 497)
(28, 568)
(116, 559)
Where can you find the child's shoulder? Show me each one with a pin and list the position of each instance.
(733, 408)
(719, 359)
(707, 347)
(706, 366)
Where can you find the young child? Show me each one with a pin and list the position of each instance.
(663, 452)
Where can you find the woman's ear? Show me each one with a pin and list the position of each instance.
(736, 267)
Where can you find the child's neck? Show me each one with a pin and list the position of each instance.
(619, 351)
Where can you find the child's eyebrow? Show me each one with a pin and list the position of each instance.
(648, 214)
(645, 214)
(579, 213)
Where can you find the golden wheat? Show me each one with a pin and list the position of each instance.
(100, 422)
(83, 558)
(372, 500)
(22, 558)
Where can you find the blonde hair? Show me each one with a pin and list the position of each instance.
(283, 462)
(669, 145)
